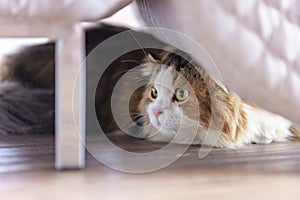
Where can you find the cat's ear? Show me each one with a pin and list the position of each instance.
(149, 65)
(222, 86)
(148, 68)
(152, 58)
(218, 84)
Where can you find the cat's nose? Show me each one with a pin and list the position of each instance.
(157, 112)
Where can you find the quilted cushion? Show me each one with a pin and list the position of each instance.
(255, 44)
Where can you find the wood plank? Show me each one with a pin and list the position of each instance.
(255, 172)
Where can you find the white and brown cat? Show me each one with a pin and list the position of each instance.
(181, 95)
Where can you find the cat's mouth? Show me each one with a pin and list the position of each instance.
(156, 122)
(162, 126)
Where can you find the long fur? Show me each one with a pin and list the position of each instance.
(239, 122)
(25, 110)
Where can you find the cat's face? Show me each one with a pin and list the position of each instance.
(169, 101)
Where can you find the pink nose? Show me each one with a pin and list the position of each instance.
(157, 112)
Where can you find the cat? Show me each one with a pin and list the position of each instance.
(181, 96)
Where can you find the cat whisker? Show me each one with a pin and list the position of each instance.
(119, 73)
(131, 113)
(135, 73)
(130, 125)
(125, 71)
(131, 61)
(133, 119)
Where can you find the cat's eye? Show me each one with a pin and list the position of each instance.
(153, 93)
(181, 95)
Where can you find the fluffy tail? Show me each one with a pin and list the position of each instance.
(26, 110)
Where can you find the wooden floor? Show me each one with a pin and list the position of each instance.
(256, 172)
